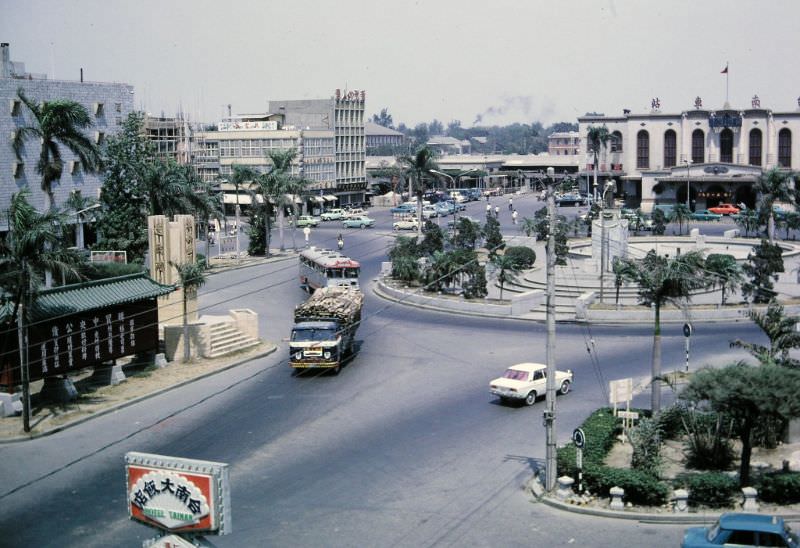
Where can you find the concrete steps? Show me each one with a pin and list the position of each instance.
(224, 338)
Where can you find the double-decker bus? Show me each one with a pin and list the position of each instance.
(325, 267)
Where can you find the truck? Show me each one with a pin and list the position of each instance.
(324, 329)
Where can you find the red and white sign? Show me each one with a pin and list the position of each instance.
(178, 495)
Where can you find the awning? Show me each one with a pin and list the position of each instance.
(293, 198)
(244, 199)
(318, 199)
(329, 198)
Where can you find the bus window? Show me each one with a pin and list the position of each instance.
(351, 273)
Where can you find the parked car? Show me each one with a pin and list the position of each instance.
(724, 209)
(307, 220)
(705, 215)
(459, 206)
(354, 212)
(474, 194)
(571, 199)
(361, 221)
(735, 529)
(404, 208)
(332, 215)
(406, 224)
(527, 381)
(429, 211)
(444, 208)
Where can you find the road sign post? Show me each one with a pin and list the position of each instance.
(579, 439)
(687, 333)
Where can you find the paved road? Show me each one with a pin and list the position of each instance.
(404, 448)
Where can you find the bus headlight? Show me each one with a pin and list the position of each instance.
(327, 355)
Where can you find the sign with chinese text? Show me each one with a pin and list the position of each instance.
(109, 257)
(255, 125)
(178, 495)
(725, 120)
(75, 341)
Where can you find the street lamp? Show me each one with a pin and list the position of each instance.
(688, 185)
(79, 223)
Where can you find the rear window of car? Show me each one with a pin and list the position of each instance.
(515, 375)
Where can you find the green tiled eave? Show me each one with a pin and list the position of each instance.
(77, 298)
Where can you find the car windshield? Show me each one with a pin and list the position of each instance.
(713, 531)
(304, 335)
(515, 375)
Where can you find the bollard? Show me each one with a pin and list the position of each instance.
(681, 498)
(616, 498)
(750, 503)
(564, 490)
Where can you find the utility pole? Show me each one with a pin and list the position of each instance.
(23, 362)
(550, 411)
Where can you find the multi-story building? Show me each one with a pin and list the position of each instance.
(169, 137)
(380, 139)
(564, 143)
(711, 155)
(344, 114)
(107, 103)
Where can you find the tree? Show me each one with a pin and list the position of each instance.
(763, 265)
(122, 223)
(55, 124)
(540, 226)
(507, 270)
(433, 242)
(383, 119)
(204, 203)
(748, 221)
(467, 233)
(659, 222)
(273, 187)
(192, 277)
(166, 188)
(749, 395)
(791, 221)
(419, 170)
(772, 186)
(295, 186)
(436, 128)
(494, 238)
(780, 330)
(34, 245)
(620, 269)
(724, 272)
(663, 280)
(681, 214)
(597, 138)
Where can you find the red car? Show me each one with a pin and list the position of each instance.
(724, 209)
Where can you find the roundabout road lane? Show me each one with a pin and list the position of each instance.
(404, 448)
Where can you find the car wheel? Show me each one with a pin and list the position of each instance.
(530, 399)
(565, 386)
(396, 228)
(363, 226)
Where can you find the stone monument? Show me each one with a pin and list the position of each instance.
(172, 243)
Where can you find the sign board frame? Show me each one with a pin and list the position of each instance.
(178, 495)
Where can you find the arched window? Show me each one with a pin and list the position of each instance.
(698, 146)
(785, 148)
(670, 149)
(726, 146)
(615, 142)
(642, 149)
(755, 147)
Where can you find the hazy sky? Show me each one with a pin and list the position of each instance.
(506, 61)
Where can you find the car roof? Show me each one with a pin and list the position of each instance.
(528, 366)
(752, 522)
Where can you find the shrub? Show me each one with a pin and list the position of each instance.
(99, 271)
(640, 487)
(712, 489)
(646, 441)
(405, 268)
(707, 448)
(601, 428)
(671, 421)
(523, 257)
(780, 488)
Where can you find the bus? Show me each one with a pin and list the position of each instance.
(326, 267)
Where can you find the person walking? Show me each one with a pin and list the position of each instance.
(488, 207)
(340, 242)
(511, 204)
(496, 212)
(514, 216)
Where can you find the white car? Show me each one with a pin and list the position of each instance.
(406, 224)
(332, 215)
(527, 381)
(354, 213)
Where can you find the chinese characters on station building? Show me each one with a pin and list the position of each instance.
(755, 102)
(353, 95)
(655, 103)
(698, 102)
(81, 340)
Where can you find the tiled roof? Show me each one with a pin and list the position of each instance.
(73, 299)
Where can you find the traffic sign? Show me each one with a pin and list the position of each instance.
(687, 330)
(579, 438)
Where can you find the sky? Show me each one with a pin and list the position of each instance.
(475, 61)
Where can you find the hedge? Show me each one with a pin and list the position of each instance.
(640, 487)
(523, 257)
(711, 489)
(601, 429)
(780, 487)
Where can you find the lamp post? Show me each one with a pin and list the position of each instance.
(688, 185)
(79, 224)
(550, 387)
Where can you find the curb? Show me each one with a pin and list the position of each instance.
(536, 490)
(139, 399)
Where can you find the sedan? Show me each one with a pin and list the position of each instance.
(724, 209)
(307, 220)
(705, 215)
(358, 222)
(444, 209)
(406, 224)
(332, 215)
(734, 529)
(527, 381)
(404, 208)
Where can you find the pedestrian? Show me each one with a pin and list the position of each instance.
(511, 204)
(514, 216)
(497, 212)
(306, 233)
(488, 207)
(340, 242)
(487, 197)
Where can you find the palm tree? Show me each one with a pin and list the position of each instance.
(56, 123)
(192, 277)
(419, 170)
(725, 272)
(772, 186)
(619, 268)
(280, 183)
(681, 214)
(295, 186)
(662, 280)
(507, 270)
(597, 138)
(166, 189)
(203, 202)
(780, 330)
(33, 246)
